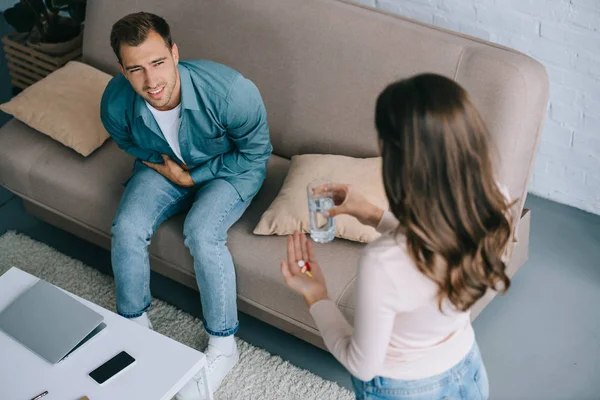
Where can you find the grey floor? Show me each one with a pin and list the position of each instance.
(540, 341)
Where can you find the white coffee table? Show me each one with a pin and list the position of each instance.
(163, 365)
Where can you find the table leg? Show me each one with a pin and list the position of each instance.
(207, 387)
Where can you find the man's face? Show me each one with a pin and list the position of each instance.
(151, 68)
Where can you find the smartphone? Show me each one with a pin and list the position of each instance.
(112, 367)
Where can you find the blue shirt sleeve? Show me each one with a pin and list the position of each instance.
(245, 119)
(120, 132)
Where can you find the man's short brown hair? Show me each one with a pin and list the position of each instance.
(134, 28)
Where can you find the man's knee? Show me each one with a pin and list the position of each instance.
(126, 227)
(202, 234)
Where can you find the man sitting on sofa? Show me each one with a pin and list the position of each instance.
(199, 133)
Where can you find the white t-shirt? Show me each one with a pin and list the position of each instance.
(169, 122)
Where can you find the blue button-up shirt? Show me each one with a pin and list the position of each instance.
(223, 133)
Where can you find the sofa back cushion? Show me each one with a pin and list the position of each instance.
(320, 65)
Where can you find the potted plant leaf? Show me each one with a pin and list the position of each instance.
(49, 34)
(53, 26)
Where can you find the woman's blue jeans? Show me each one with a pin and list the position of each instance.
(467, 380)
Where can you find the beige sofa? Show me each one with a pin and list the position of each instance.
(320, 65)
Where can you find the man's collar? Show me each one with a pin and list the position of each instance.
(189, 100)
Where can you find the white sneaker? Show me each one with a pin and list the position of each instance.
(219, 366)
(143, 320)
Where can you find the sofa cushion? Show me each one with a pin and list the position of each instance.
(86, 189)
(65, 105)
(20, 148)
(289, 211)
(318, 64)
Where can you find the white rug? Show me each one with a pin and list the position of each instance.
(258, 375)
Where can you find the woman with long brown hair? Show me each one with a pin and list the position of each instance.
(442, 247)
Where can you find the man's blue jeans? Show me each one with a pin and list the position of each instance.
(148, 200)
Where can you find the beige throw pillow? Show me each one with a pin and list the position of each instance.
(65, 105)
(289, 211)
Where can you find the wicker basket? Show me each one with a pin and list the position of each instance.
(28, 65)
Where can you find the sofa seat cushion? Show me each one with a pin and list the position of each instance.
(86, 189)
(89, 190)
(257, 258)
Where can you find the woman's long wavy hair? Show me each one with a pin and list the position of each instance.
(439, 179)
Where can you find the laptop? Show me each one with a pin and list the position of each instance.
(49, 322)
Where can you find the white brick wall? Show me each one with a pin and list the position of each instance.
(565, 36)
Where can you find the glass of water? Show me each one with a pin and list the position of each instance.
(322, 229)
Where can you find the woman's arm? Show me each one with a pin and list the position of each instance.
(362, 349)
